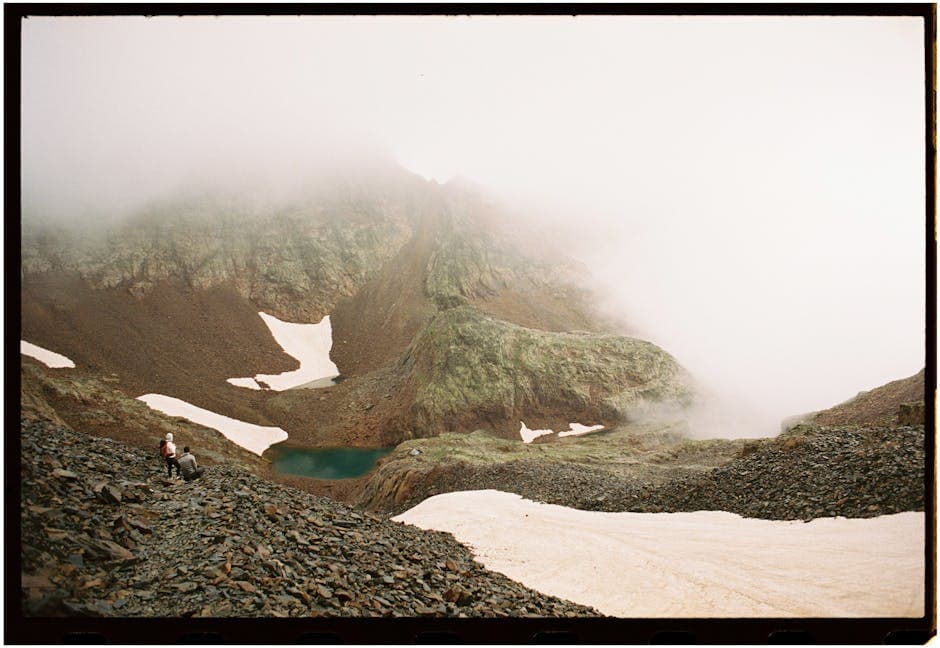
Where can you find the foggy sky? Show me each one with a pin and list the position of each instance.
(748, 191)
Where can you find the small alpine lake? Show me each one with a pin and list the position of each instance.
(326, 463)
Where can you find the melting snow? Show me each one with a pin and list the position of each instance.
(574, 429)
(250, 383)
(528, 436)
(256, 438)
(308, 343)
(45, 356)
(702, 564)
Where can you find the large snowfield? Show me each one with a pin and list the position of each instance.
(308, 343)
(49, 358)
(255, 438)
(701, 564)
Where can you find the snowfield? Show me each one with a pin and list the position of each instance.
(702, 564)
(255, 438)
(308, 343)
(49, 358)
(574, 429)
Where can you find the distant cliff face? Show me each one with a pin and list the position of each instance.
(295, 261)
(439, 321)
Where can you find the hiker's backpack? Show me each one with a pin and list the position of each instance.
(164, 448)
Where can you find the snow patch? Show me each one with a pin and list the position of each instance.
(249, 383)
(701, 564)
(574, 429)
(45, 356)
(528, 436)
(255, 438)
(308, 343)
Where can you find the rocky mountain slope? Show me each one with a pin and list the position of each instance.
(106, 534)
(880, 406)
(897, 402)
(293, 259)
(810, 472)
(440, 321)
(807, 472)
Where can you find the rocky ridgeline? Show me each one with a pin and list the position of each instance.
(810, 472)
(106, 534)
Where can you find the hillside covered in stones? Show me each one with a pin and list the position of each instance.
(898, 402)
(106, 534)
(809, 472)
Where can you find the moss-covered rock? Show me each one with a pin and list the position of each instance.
(471, 369)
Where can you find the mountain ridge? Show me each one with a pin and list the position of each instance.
(167, 301)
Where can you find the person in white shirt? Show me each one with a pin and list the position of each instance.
(169, 453)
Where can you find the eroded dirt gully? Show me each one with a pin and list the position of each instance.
(371, 332)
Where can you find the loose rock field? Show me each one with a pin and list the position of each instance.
(106, 534)
(807, 473)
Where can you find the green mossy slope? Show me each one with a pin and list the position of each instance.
(470, 368)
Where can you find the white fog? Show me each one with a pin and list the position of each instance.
(748, 193)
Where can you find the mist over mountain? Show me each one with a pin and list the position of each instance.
(761, 216)
(440, 322)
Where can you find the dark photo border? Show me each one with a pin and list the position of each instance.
(20, 629)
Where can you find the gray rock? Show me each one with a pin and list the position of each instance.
(164, 556)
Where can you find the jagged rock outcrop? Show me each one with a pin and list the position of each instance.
(911, 413)
(295, 262)
(106, 534)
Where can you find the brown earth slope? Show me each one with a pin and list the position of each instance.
(92, 404)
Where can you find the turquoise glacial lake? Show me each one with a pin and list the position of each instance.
(326, 463)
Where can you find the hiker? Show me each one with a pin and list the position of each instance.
(168, 450)
(191, 471)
